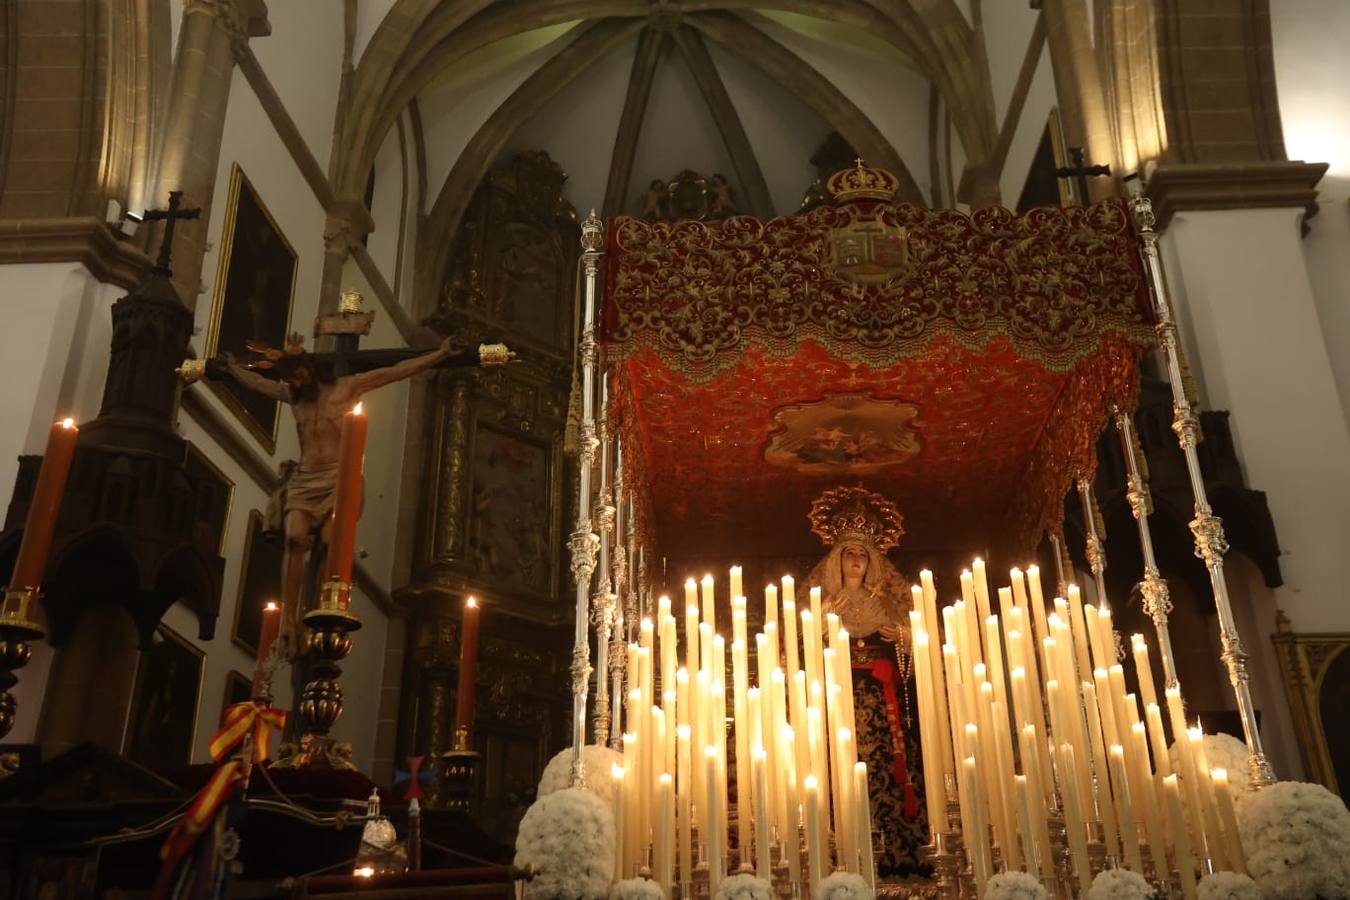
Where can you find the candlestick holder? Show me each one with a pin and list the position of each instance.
(17, 634)
(459, 774)
(702, 875)
(328, 640)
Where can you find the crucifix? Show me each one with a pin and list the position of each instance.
(320, 388)
(169, 217)
(1079, 172)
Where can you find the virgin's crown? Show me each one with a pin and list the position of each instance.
(856, 514)
(862, 183)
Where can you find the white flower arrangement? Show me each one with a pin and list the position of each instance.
(1015, 886)
(1223, 751)
(1297, 840)
(744, 887)
(596, 777)
(637, 889)
(1229, 886)
(1120, 884)
(567, 838)
(844, 886)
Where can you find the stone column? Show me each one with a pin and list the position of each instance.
(1078, 86)
(347, 225)
(189, 155)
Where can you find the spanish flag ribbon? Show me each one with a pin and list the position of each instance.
(241, 719)
(204, 808)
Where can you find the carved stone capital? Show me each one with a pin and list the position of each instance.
(240, 19)
(347, 224)
(1264, 184)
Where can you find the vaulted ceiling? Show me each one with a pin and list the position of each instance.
(622, 92)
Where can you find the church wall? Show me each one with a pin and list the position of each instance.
(1246, 304)
(1040, 101)
(1312, 73)
(303, 60)
(389, 207)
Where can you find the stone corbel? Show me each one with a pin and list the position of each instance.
(241, 19)
(1174, 187)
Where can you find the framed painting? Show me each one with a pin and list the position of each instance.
(238, 689)
(253, 299)
(164, 703)
(259, 582)
(510, 540)
(211, 515)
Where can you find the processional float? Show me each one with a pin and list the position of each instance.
(1009, 342)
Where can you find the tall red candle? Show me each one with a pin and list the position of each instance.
(347, 503)
(468, 667)
(42, 512)
(271, 627)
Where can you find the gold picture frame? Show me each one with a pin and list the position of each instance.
(259, 568)
(1305, 660)
(257, 265)
(194, 458)
(238, 689)
(166, 701)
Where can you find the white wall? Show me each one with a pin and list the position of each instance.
(303, 59)
(1312, 75)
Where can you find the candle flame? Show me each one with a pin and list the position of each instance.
(682, 732)
(708, 580)
(691, 610)
(472, 602)
(710, 752)
(365, 872)
(1218, 774)
(616, 771)
(271, 606)
(1033, 570)
(664, 778)
(787, 579)
(357, 409)
(810, 782)
(67, 423)
(689, 583)
(844, 733)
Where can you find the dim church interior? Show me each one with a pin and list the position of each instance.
(438, 158)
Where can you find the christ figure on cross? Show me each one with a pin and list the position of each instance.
(304, 500)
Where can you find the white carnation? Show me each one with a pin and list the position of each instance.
(637, 889)
(1223, 751)
(1297, 840)
(596, 763)
(567, 838)
(1015, 886)
(744, 887)
(1228, 886)
(843, 886)
(1120, 884)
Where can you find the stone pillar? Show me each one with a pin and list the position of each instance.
(347, 224)
(211, 33)
(1078, 86)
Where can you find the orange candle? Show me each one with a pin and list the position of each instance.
(347, 502)
(271, 627)
(468, 670)
(44, 507)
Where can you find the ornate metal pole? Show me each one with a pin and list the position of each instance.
(583, 542)
(1210, 543)
(1061, 570)
(618, 659)
(602, 601)
(1157, 602)
(1094, 545)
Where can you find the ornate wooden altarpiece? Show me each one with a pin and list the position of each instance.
(496, 497)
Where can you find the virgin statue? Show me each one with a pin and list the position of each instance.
(872, 599)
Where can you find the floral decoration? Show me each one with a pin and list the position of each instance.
(637, 889)
(1297, 840)
(567, 839)
(1229, 886)
(744, 887)
(1015, 886)
(1120, 884)
(596, 762)
(844, 886)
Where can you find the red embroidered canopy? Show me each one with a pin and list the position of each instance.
(960, 365)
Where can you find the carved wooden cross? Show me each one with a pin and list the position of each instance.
(1079, 172)
(169, 217)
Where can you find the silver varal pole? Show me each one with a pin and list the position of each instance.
(618, 660)
(602, 601)
(1210, 543)
(584, 544)
(1157, 602)
(1094, 547)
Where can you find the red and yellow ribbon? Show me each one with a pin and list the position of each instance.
(241, 719)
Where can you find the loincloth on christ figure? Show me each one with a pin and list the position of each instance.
(309, 489)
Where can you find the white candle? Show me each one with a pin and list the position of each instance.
(686, 794)
(1181, 842)
(770, 605)
(708, 602)
(815, 836)
(864, 818)
(1129, 831)
(1209, 801)
(759, 762)
(1076, 826)
(735, 578)
(663, 842)
(616, 773)
(792, 840)
(1228, 816)
(977, 844)
(712, 837)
